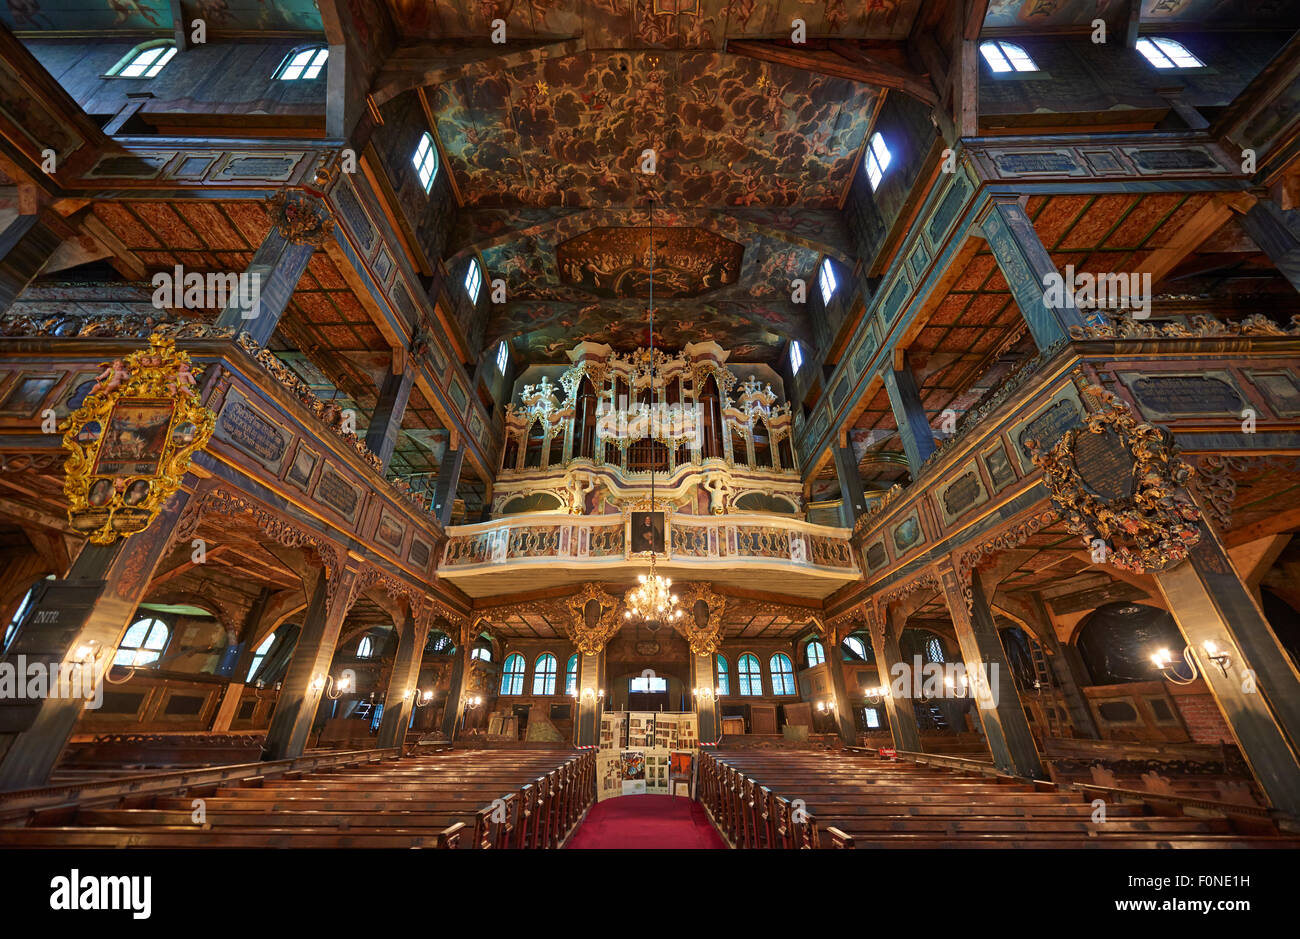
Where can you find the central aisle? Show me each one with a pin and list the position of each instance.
(646, 822)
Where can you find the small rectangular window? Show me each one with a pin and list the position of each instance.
(826, 280)
(473, 281)
(796, 357)
(1167, 53)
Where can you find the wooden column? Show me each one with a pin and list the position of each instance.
(591, 675)
(909, 414)
(444, 490)
(456, 683)
(848, 727)
(1025, 264)
(386, 422)
(93, 606)
(1260, 694)
(706, 707)
(902, 716)
(300, 223)
(25, 246)
(400, 698)
(295, 710)
(1001, 714)
(1278, 234)
(853, 502)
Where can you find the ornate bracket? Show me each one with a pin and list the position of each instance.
(1119, 485)
(706, 639)
(300, 218)
(590, 635)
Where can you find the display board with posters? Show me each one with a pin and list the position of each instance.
(647, 752)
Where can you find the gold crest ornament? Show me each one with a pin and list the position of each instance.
(131, 441)
(1121, 485)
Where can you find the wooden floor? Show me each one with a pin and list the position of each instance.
(853, 800)
(453, 798)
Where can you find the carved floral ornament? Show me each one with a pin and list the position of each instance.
(590, 634)
(300, 217)
(706, 639)
(131, 441)
(1119, 484)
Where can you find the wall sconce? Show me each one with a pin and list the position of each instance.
(827, 706)
(85, 653)
(422, 698)
(473, 703)
(1164, 659)
(708, 694)
(875, 694)
(333, 690)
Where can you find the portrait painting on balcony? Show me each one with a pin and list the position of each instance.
(137, 433)
(647, 532)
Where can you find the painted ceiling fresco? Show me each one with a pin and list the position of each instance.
(627, 262)
(654, 23)
(728, 130)
(546, 314)
(221, 16)
(1007, 14)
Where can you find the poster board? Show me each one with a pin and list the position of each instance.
(612, 725)
(640, 729)
(609, 774)
(656, 771)
(681, 772)
(633, 763)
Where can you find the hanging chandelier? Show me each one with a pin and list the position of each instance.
(652, 601)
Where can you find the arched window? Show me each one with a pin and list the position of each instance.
(826, 278)
(145, 60)
(724, 680)
(751, 676)
(259, 654)
(1167, 53)
(512, 674)
(439, 643)
(481, 653)
(143, 643)
(544, 674)
(17, 618)
(473, 280)
(571, 675)
(855, 645)
(782, 674)
(934, 650)
(1006, 57)
(303, 64)
(425, 160)
(365, 648)
(816, 653)
(878, 159)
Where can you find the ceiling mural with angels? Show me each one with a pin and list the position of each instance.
(726, 130)
(654, 23)
(619, 262)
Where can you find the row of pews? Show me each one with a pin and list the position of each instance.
(819, 799)
(445, 799)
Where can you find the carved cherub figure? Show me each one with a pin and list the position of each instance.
(114, 374)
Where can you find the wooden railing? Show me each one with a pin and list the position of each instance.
(751, 815)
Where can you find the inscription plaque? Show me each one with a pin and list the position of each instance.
(252, 433)
(962, 494)
(876, 556)
(336, 492)
(1104, 464)
(1187, 394)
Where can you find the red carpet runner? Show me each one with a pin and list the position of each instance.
(646, 822)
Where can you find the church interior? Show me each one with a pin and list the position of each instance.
(650, 424)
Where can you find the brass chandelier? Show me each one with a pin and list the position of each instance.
(652, 601)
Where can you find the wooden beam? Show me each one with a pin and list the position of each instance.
(840, 58)
(423, 64)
